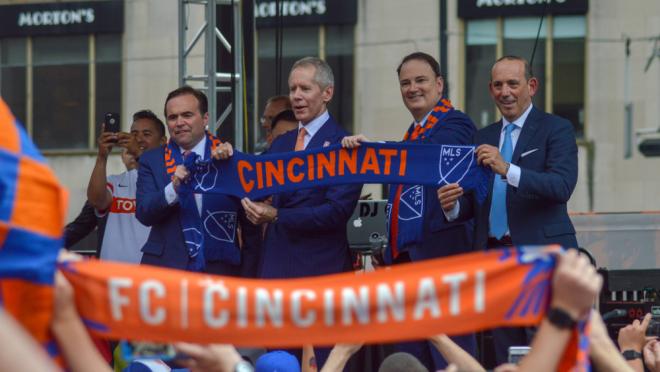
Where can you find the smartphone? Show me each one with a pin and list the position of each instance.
(132, 350)
(516, 353)
(112, 122)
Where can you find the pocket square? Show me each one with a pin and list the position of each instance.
(528, 152)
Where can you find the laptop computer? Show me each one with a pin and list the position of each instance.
(367, 227)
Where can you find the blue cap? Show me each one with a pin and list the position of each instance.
(277, 361)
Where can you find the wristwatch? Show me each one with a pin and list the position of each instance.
(560, 318)
(243, 366)
(631, 355)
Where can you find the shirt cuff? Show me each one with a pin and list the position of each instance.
(513, 175)
(170, 195)
(452, 214)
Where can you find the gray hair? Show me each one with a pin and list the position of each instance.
(323, 75)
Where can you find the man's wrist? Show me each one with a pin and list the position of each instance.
(560, 318)
(631, 354)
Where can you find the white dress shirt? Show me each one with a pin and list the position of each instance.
(313, 126)
(513, 174)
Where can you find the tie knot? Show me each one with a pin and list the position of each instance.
(509, 128)
(302, 132)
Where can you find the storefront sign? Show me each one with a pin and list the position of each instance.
(507, 8)
(305, 12)
(62, 18)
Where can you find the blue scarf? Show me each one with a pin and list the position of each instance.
(211, 236)
(406, 204)
(253, 176)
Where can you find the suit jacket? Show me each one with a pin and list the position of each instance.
(309, 237)
(442, 238)
(546, 153)
(165, 245)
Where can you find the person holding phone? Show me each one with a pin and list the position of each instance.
(114, 195)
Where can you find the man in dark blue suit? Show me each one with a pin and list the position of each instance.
(306, 233)
(435, 121)
(533, 156)
(158, 204)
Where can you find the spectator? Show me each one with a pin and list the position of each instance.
(274, 105)
(114, 195)
(283, 122)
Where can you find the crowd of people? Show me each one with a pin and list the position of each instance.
(144, 217)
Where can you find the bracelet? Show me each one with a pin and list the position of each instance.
(631, 355)
(560, 318)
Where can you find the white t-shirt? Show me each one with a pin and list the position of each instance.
(124, 235)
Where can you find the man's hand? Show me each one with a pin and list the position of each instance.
(180, 175)
(208, 358)
(351, 142)
(129, 142)
(105, 142)
(258, 212)
(489, 156)
(652, 355)
(575, 284)
(223, 152)
(448, 195)
(633, 336)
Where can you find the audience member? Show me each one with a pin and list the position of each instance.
(274, 105)
(283, 122)
(114, 195)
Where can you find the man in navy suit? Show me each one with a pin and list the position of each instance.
(434, 122)
(533, 156)
(158, 203)
(306, 233)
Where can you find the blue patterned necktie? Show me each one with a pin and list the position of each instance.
(498, 218)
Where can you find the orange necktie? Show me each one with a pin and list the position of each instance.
(300, 141)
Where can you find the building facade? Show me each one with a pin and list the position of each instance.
(64, 64)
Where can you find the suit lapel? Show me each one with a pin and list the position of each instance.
(321, 135)
(528, 131)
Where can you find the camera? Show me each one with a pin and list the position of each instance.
(653, 329)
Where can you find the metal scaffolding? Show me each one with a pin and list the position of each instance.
(212, 80)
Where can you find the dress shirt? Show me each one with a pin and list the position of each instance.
(313, 126)
(513, 174)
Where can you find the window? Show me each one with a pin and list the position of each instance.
(12, 76)
(560, 50)
(301, 42)
(568, 78)
(60, 86)
(480, 52)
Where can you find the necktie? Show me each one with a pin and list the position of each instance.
(498, 218)
(300, 141)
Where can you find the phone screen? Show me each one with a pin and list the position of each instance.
(132, 350)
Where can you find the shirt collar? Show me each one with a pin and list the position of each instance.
(521, 119)
(423, 121)
(313, 126)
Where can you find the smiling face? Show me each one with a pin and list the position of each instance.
(308, 99)
(420, 88)
(510, 89)
(146, 134)
(185, 122)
